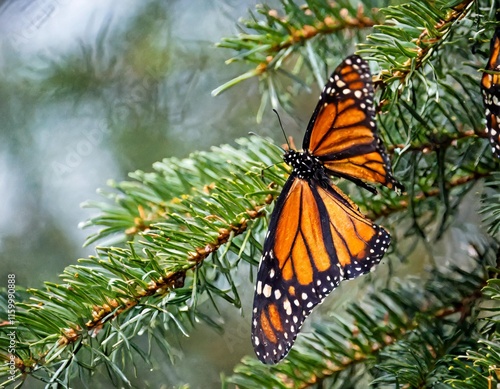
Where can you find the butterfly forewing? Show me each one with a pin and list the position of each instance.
(490, 86)
(342, 132)
(317, 237)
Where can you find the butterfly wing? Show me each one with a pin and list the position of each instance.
(490, 87)
(317, 237)
(342, 132)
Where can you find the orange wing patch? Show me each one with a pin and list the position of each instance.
(494, 51)
(368, 167)
(350, 230)
(351, 77)
(339, 128)
(266, 328)
(275, 317)
(298, 249)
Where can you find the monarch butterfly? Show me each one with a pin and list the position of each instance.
(317, 236)
(490, 86)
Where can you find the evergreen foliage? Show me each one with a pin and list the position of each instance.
(174, 237)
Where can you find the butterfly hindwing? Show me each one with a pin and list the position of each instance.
(342, 132)
(490, 87)
(317, 237)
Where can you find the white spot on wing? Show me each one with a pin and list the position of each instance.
(288, 307)
(267, 290)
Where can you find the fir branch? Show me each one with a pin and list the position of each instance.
(445, 141)
(276, 34)
(480, 365)
(166, 280)
(279, 40)
(135, 279)
(490, 204)
(402, 43)
(385, 320)
(411, 34)
(389, 208)
(137, 205)
(119, 285)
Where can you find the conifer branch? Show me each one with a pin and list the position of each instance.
(384, 320)
(490, 205)
(139, 281)
(276, 40)
(390, 338)
(411, 33)
(403, 203)
(121, 286)
(278, 33)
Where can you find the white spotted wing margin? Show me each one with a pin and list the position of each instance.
(300, 266)
(490, 88)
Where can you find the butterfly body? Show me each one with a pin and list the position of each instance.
(317, 236)
(306, 166)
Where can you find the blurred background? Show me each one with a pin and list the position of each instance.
(93, 89)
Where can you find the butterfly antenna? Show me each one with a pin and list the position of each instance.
(282, 129)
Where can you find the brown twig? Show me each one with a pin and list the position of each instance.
(425, 44)
(328, 25)
(464, 307)
(420, 196)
